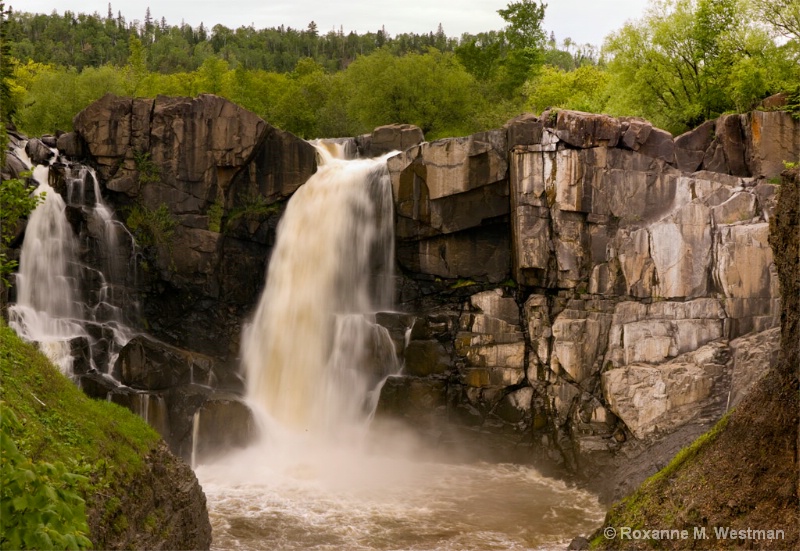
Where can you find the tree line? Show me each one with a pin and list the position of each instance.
(683, 62)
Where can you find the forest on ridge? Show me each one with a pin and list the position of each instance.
(683, 62)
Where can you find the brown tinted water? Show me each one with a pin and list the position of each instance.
(341, 500)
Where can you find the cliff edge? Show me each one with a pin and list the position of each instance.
(137, 494)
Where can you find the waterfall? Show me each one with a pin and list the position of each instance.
(313, 353)
(48, 308)
(62, 302)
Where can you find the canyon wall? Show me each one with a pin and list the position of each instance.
(578, 288)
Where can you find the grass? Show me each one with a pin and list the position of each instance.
(632, 511)
(102, 441)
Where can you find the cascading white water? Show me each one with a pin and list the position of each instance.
(50, 308)
(47, 308)
(308, 350)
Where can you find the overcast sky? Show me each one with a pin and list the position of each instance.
(584, 21)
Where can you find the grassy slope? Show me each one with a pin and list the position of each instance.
(98, 439)
(744, 473)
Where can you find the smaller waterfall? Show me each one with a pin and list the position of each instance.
(63, 303)
(48, 310)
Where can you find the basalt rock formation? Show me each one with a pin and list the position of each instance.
(579, 289)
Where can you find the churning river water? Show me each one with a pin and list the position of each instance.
(337, 501)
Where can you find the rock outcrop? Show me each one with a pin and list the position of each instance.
(641, 266)
(700, 491)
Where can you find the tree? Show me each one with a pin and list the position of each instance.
(783, 15)
(688, 61)
(525, 38)
(430, 90)
(524, 20)
(583, 89)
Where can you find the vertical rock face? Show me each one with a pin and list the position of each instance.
(452, 205)
(208, 179)
(201, 183)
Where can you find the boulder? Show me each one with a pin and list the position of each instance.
(147, 364)
(634, 132)
(222, 424)
(38, 152)
(71, 145)
(650, 399)
(726, 154)
(13, 166)
(282, 163)
(773, 137)
(585, 130)
(690, 147)
(394, 137)
(526, 129)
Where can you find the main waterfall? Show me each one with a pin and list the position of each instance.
(314, 360)
(313, 349)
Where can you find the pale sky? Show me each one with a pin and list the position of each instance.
(584, 21)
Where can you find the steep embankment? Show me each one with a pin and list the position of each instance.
(744, 473)
(137, 494)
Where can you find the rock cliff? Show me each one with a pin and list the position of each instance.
(754, 447)
(579, 289)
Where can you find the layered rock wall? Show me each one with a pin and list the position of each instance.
(639, 264)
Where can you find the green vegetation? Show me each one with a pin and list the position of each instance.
(151, 228)
(59, 448)
(147, 169)
(16, 201)
(629, 512)
(688, 61)
(40, 506)
(215, 213)
(461, 283)
(684, 62)
(254, 207)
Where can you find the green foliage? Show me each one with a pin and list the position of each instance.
(40, 507)
(68, 445)
(254, 207)
(461, 283)
(16, 201)
(431, 90)
(629, 512)
(147, 169)
(583, 89)
(215, 213)
(688, 61)
(152, 228)
(52, 95)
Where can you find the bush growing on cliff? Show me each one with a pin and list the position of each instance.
(16, 201)
(39, 506)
